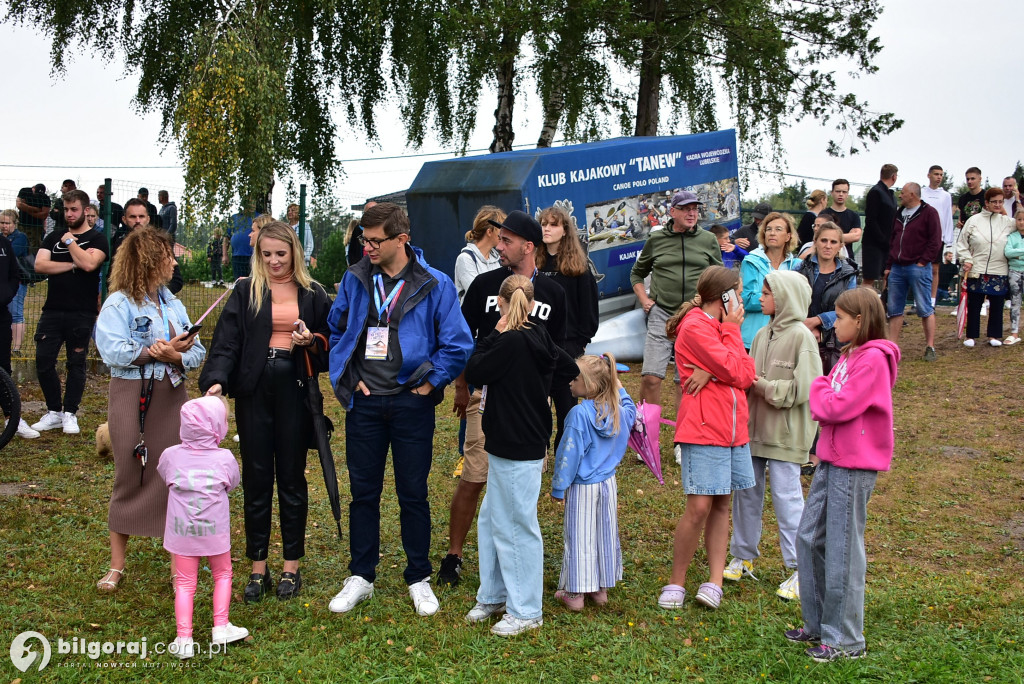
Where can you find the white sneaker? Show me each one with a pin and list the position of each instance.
(51, 420)
(510, 626)
(355, 591)
(482, 611)
(70, 423)
(225, 634)
(25, 432)
(968, 342)
(953, 312)
(995, 343)
(423, 597)
(790, 589)
(182, 647)
(738, 568)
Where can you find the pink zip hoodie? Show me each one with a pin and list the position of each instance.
(199, 476)
(854, 407)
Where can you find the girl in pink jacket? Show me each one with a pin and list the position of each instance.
(853, 405)
(199, 476)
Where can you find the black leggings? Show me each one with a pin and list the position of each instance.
(274, 428)
(995, 315)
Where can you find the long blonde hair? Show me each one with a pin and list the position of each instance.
(276, 230)
(600, 378)
(517, 290)
(349, 231)
(571, 259)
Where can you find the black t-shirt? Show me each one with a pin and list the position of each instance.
(75, 290)
(970, 204)
(805, 231)
(480, 305)
(581, 299)
(31, 226)
(847, 220)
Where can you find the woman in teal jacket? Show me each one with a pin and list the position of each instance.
(777, 239)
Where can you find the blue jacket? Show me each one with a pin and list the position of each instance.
(753, 269)
(435, 340)
(589, 453)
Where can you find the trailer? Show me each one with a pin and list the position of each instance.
(616, 191)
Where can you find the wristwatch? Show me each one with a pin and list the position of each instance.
(68, 241)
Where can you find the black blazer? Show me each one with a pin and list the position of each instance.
(238, 352)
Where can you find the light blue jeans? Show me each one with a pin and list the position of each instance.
(508, 538)
(830, 555)
(748, 510)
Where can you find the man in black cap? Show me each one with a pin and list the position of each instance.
(674, 257)
(33, 207)
(519, 239)
(746, 236)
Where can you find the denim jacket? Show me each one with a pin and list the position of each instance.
(125, 327)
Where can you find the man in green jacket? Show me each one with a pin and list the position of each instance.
(674, 257)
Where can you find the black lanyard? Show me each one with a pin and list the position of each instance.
(145, 397)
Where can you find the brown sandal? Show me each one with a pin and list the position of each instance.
(109, 583)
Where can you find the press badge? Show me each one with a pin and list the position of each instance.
(483, 399)
(174, 375)
(377, 343)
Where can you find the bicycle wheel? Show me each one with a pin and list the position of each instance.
(10, 403)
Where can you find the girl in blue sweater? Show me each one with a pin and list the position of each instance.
(596, 432)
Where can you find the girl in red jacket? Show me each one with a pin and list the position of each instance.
(854, 407)
(711, 427)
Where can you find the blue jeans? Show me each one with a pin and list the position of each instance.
(830, 555)
(904, 278)
(17, 305)
(508, 538)
(405, 423)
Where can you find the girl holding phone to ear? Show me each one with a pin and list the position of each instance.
(711, 426)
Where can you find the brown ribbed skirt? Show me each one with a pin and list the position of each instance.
(140, 509)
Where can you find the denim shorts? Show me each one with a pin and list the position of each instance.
(904, 278)
(715, 470)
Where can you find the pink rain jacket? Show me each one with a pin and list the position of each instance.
(199, 475)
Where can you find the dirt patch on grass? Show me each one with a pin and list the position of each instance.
(19, 488)
(1015, 530)
(960, 452)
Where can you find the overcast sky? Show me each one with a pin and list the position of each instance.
(950, 68)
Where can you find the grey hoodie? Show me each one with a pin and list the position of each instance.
(787, 361)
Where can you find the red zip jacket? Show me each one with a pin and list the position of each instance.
(717, 415)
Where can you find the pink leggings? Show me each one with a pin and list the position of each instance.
(185, 590)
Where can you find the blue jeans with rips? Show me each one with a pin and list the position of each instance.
(830, 555)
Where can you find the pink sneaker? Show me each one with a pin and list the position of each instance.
(572, 601)
(600, 598)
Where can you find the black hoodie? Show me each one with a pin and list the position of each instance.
(518, 367)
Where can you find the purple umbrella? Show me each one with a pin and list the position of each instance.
(644, 436)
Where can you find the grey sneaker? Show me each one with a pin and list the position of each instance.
(510, 626)
(929, 354)
(482, 611)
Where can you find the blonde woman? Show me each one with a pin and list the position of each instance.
(271, 318)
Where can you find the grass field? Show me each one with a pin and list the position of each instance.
(945, 541)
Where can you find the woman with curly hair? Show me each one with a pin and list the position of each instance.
(142, 335)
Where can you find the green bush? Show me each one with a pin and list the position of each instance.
(331, 262)
(195, 269)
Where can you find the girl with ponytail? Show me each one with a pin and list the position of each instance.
(596, 432)
(515, 365)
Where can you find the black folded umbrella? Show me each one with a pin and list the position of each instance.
(322, 430)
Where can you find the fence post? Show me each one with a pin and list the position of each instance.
(109, 234)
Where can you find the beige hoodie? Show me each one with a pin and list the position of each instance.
(787, 360)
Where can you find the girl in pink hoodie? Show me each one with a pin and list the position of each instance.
(853, 405)
(199, 476)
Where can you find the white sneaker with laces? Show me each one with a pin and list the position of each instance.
(25, 432)
(225, 634)
(355, 591)
(423, 597)
(70, 423)
(482, 611)
(738, 568)
(790, 589)
(49, 421)
(968, 342)
(510, 626)
(182, 647)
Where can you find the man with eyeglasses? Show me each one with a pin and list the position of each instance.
(674, 257)
(397, 339)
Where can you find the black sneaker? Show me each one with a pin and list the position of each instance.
(826, 654)
(451, 570)
(288, 587)
(800, 636)
(258, 586)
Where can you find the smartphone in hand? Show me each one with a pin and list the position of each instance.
(193, 331)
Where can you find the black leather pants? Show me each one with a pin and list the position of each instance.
(274, 429)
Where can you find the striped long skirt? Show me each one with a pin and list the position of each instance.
(592, 557)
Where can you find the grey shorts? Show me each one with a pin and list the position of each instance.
(657, 346)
